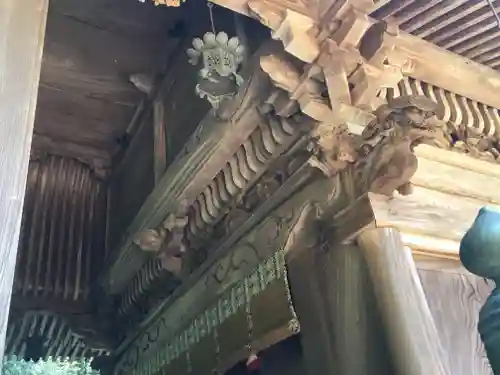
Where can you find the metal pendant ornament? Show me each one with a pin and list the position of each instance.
(221, 58)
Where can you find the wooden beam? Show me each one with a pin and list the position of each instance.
(22, 30)
(452, 72)
(160, 140)
(427, 62)
(413, 338)
(204, 155)
(428, 219)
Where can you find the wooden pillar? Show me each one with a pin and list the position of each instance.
(480, 254)
(341, 332)
(22, 30)
(412, 335)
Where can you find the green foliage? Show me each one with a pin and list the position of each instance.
(50, 366)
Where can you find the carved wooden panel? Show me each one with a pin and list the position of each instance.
(225, 327)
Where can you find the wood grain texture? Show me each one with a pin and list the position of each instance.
(90, 51)
(131, 183)
(453, 72)
(457, 159)
(341, 329)
(427, 213)
(206, 153)
(458, 181)
(412, 335)
(22, 30)
(160, 139)
(429, 63)
(455, 300)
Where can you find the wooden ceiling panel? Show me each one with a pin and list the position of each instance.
(73, 115)
(91, 48)
(466, 27)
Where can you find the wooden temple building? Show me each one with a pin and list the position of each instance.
(242, 186)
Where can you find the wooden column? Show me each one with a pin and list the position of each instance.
(22, 30)
(412, 335)
(480, 254)
(341, 331)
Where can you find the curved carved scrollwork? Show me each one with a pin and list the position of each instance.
(251, 160)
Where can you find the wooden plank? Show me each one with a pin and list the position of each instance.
(455, 300)
(452, 72)
(458, 159)
(427, 212)
(453, 266)
(458, 181)
(412, 335)
(22, 30)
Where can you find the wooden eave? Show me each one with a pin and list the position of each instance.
(454, 74)
(428, 62)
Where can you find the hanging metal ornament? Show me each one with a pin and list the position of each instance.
(221, 57)
(169, 3)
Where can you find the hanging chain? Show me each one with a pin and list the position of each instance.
(210, 6)
(490, 3)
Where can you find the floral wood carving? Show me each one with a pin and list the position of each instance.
(386, 153)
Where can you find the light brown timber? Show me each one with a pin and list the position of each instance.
(412, 335)
(341, 330)
(22, 30)
(454, 300)
(428, 62)
(427, 213)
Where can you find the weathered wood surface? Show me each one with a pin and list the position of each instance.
(428, 214)
(22, 30)
(467, 28)
(131, 183)
(459, 160)
(459, 181)
(450, 188)
(455, 300)
(482, 82)
(160, 140)
(413, 338)
(85, 97)
(261, 235)
(216, 139)
(341, 330)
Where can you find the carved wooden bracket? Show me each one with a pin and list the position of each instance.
(354, 56)
(383, 158)
(386, 159)
(168, 242)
